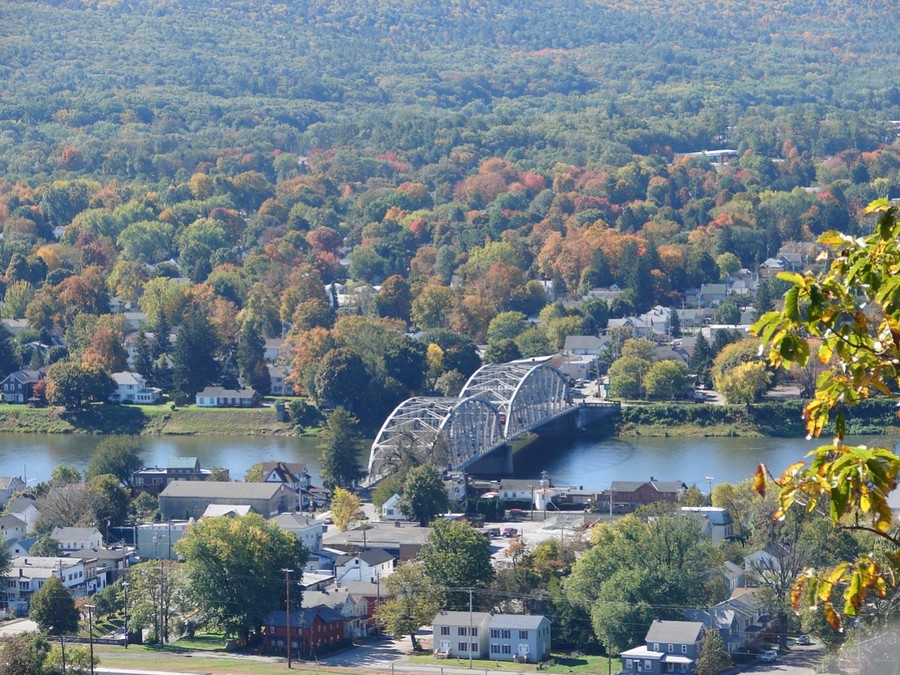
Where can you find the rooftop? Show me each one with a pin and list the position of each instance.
(222, 490)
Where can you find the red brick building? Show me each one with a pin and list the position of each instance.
(312, 631)
(629, 495)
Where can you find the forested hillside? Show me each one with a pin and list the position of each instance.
(232, 167)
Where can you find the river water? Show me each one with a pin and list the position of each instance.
(591, 463)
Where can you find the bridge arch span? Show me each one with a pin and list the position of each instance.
(443, 431)
(526, 394)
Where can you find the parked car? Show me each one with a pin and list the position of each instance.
(768, 656)
(510, 532)
(492, 532)
(803, 639)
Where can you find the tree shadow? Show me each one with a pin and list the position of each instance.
(108, 419)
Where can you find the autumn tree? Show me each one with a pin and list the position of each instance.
(851, 307)
(346, 509)
(75, 387)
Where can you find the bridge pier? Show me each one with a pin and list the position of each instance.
(497, 463)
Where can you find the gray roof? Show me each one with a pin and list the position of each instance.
(676, 632)
(714, 514)
(520, 484)
(522, 621)
(658, 485)
(221, 392)
(19, 504)
(460, 618)
(221, 490)
(372, 556)
(74, 533)
(292, 521)
(182, 463)
(583, 342)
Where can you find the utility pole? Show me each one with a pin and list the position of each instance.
(90, 609)
(125, 588)
(470, 629)
(287, 613)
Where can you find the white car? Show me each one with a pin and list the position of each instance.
(768, 656)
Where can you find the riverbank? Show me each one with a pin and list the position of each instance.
(145, 420)
(776, 419)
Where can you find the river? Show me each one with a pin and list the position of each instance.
(592, 463)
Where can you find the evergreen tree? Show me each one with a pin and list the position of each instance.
(674, 323)
(701, 359)
(763, 301)
(161, 336)
(713, 658)
(194, 364)
(251, 358)
(143, 357)
(340, 445)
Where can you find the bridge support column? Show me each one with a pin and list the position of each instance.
(497, 463)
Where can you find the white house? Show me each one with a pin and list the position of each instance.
(219, 397)
(715, 522)
(390, 510)
(77, 538)
(370, 565)
(12, 528)
(24, 508)
(307, 530)
(29, 574)
(280, 379)
(132, 388)
(9, 485)
(524, 638)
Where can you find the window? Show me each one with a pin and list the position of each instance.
(473, 631)
(505, 633)
(445, 630)
(507, 649)
(495, 649)
(671, 648)
(627, 664)
(656, 646)
(647, 665)
(495, 632)
(684, 649)
(474, 647)
(462, 646)
(461, 630)
(523, 634)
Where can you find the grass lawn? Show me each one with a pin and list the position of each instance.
(595, 665)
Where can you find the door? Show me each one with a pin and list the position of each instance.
(522, 651)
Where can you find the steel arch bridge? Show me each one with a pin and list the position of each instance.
(497, 404)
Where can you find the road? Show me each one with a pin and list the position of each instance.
(796, 661)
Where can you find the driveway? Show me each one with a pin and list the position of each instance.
(796, 661)
(17, 627)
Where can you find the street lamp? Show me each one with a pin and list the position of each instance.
(709, 480)
(90, 609)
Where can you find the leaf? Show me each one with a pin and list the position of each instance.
(832, 617)
(759, 480)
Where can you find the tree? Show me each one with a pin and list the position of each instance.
(45, 546)
(626, 377)
(158, 597)
(233, 568)
(459, 556)
(119, 456)
(713, 658)
(424, 495)
(728, 312)
(193, 361)
(255, 473)
(640, 348)
(341, 378)
(251, 358)
(667, 380)
(637, 570)
(75, 387)
(414, 600)
(346, 508)
(23, 654)
(64, 474)
(109, 500)
(851, 307)
(53, 608)
(701, 360)
(386, 489)
(745, 384)
(340, 445)
(394, 299)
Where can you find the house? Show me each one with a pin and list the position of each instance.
(766, 561)
(715, 522)
(518, 489)
(629, 495)
(190, 499)
(401, 540)
(10, 485)
(15, 326)
(24, 508)
(670, 647)
(29, 574)
(311, 631)
(770, 267)
(734, 575)
(219, 397)
(353, 608)
(583, 345)
(712, 294)
(17, 387)
(12, 528)
(740, 621)
(21, 547)
(461, 634)
(373, 593)
(292, 474)
(132, 388)
(154, 479)
(280, 379)
(275, 350)
(304, 528)
(77, 538)
(523, 638)
(373, 565)
(390, 510)
(155, 541)
(103, 566)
